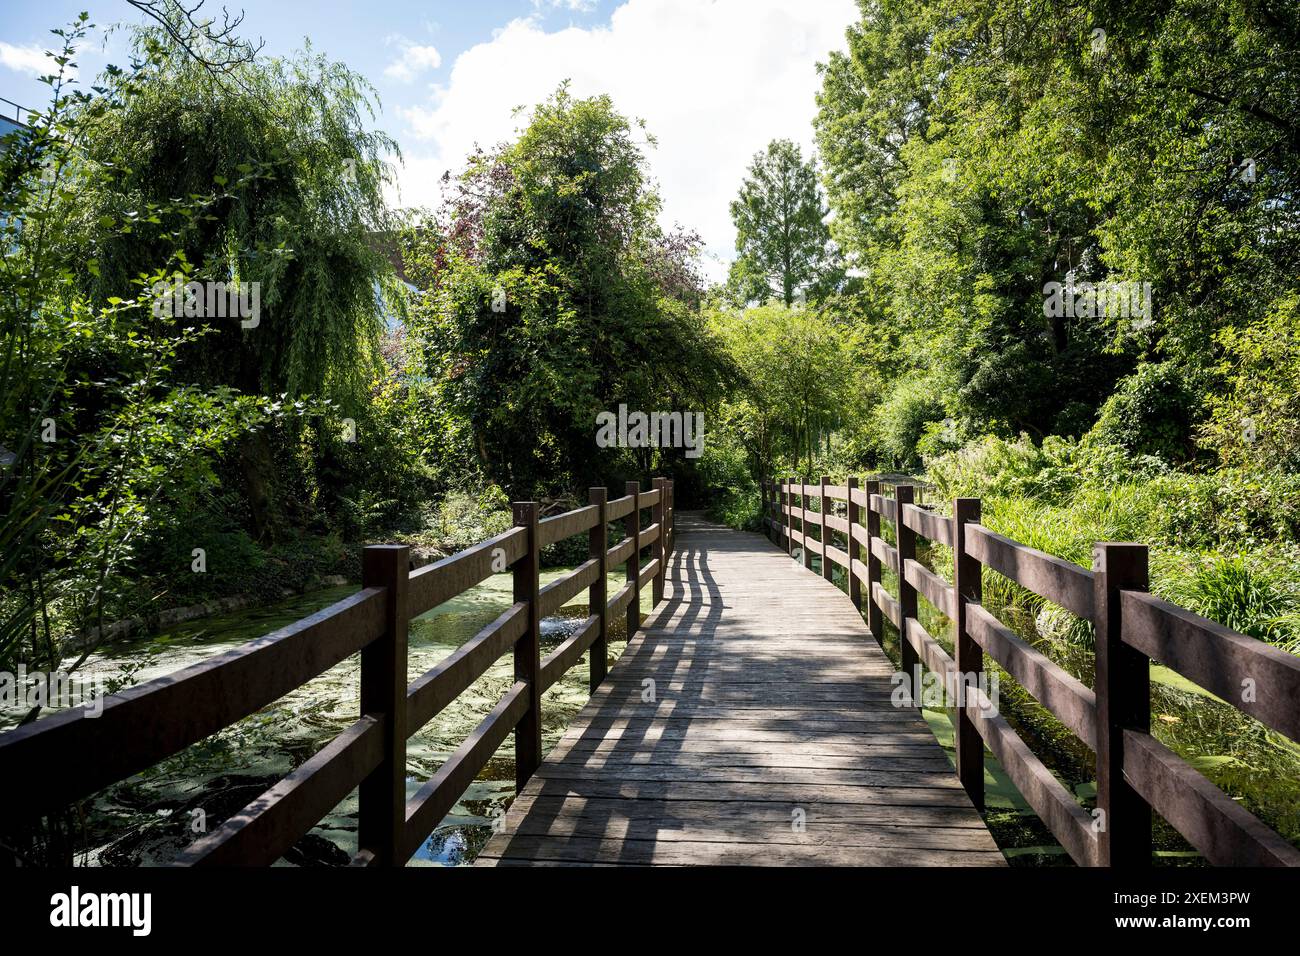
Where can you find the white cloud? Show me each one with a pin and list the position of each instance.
(413, 61)
(26, 59)
(714, 81)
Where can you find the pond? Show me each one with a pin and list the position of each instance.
(151, 817)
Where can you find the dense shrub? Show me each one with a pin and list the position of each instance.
(1150, 413)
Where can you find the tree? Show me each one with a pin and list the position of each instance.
(796, 371)
(782, 241)
(553, 295)
(299, 182)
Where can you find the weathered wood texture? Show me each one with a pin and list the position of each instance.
(749, 722)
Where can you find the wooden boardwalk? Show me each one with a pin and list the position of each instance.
(766, 737)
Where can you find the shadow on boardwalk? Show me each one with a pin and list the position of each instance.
(748, 723)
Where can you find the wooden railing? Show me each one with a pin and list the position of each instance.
(1135, 772)
(67, 756)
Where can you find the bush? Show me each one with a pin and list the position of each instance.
(899, 422)
(734, 498)
(1151, 413)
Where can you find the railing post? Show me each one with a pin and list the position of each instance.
(1123, 691)
(826, 532)
(598, 593)
(762, 506)
(381, 824)
(789, 518)
(875, 618)
(804, 500)
(969, 656)
(855, 550)
(632, 528)
(906, 538)
(657, 513)
(528, 654)
(672, 522)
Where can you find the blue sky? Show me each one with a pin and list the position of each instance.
(715, 80)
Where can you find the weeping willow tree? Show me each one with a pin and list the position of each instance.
(300, 220)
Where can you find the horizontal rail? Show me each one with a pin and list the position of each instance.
(559, 527)
(560, 591)
(888, 606)
(837, 492)
(836, 523)
(618, 508)
(447, 679)
(1069, 700)
(443, 580)
(839, 557)
(619, 553)
(569, 652)
(649, 534)
(1217, 658)
(648, 572)
(930, 586)
(147, 723)
(1061, 582)
(887, 508)
(439, 794)
(621, 599)
(929, 650)
(267, 828)
(885, 553)
(1223, 831)
(928, 524)
(1056, 806)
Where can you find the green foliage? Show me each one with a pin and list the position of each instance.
(795, 372)
(900, 420)
(1255, 419)
(783, 244)
(974, 152)
(734, 498)
(551, 295)
(1150, 413)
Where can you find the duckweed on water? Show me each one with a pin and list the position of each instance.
(151, 817)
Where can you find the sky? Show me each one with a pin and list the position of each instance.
(714, 80)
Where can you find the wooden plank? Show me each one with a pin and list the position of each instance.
(663, 853)
(527, 649)
(928, 524)
(598, 593)
(930, 586)
(69, 755)
(885, 507)
(1056, 806)
(445, 681)
(1224, 831)
(435, 583)
(754, 691)
(560, 591)
(1061, 582)
(269, 826)
(1256, 678)
(569, 652)
(559, 527)
(439, 794)
(1070, 700)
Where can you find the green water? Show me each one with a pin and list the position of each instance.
(148, 819)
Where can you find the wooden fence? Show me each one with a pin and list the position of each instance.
(1135, 772)
(68, 756)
